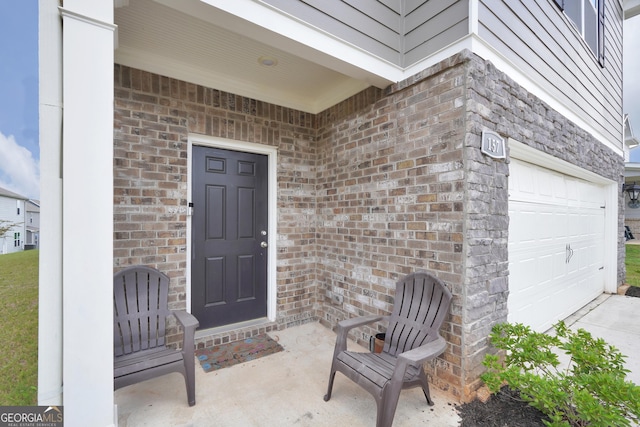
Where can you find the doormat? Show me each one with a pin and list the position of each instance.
(225, 355)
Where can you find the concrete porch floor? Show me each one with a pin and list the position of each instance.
(287, 388)
(282, 389)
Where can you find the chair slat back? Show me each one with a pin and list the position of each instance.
(140, 296)
(421, 303)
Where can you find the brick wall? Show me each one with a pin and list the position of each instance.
(153, 118)
(403, 185)
(380, 185)
(390, 201)
(495, 102)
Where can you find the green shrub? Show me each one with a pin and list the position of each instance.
(589, 389)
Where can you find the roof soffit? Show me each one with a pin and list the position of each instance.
(195, 42)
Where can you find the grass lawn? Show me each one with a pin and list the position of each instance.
(632, 262)
(19, 332)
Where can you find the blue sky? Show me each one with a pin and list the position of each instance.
(19, 150)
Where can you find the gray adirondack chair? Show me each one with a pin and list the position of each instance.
(140, 310)
(421, 304)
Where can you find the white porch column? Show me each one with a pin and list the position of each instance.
(50, 275)
(87, 212)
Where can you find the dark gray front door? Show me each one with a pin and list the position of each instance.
(229, 260)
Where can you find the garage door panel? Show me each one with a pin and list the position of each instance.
(556, 240)
(572, 192)
(557, 188)
(545, 222)
(575, 225)
(530, 276)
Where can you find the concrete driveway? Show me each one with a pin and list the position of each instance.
(616, 319)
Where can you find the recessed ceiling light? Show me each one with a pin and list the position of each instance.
(267, 61)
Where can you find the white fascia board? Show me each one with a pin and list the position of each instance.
(438, 56)
(631, 169)
(631, 8)
(295, 36)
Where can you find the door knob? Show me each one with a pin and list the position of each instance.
(263, 244)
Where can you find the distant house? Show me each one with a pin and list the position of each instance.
(12, 211)
(32, 224)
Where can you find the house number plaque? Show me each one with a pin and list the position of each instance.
(493, 145)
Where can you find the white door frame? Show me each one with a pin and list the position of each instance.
(272, 229)
(523, 152)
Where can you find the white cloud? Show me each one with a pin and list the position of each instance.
(19, 171)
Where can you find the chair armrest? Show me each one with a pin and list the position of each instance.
(354, 322)
(187, 320)
(417, 357)
(346, 325)
(421, 354)
(189, 324)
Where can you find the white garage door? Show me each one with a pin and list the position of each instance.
(556, 244)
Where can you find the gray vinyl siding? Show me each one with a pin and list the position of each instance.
(432, 25)
(533, 34)
(541, 41)
(368, 24)
(401, 32)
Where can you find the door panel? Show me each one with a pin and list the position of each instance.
(246, 211)
(215, 209)
(229, 263)
(246, 278)
(214, 270)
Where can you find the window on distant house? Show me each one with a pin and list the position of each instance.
(16, 240)
(588, 18)
(18, 206)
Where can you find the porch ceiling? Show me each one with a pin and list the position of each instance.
(198, 43)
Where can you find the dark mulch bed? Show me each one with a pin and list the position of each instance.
(506, 408)
(503, 409)
(633, 291)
